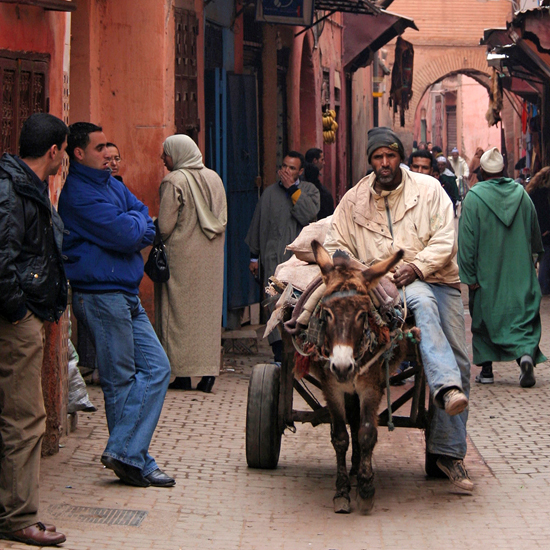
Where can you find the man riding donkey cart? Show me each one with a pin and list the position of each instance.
(403, 221)
(393, 209)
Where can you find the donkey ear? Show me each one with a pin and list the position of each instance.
(322, 257)
(373, 274)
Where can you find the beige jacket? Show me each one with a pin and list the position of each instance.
(422, 222)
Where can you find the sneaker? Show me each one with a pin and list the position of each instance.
(455, 401)
(485, 378)
(527, 376)
(455, 470)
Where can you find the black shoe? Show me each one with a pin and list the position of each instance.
(482, 378)
(159, 479)
(126, 473)
(527, 376)
(180, 383)
(206, 384)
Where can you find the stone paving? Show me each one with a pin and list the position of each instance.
(219, 503)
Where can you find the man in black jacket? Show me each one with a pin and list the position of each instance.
(33, 288)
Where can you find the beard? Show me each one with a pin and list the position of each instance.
(386, 178)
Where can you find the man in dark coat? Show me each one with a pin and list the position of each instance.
(498, 238)
(282, 211)
(33, 289)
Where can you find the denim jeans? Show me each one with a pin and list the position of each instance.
(134, 372)
(439, 314)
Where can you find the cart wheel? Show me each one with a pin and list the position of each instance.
(263, 438)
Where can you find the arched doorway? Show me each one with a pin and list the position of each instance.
(451, 113)
(308, 99)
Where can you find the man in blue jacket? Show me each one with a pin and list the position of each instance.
(107, 228)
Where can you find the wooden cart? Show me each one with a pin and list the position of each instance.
(270, 407)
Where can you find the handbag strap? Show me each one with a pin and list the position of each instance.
(158, 239)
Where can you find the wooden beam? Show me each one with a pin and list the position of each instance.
(52, 5)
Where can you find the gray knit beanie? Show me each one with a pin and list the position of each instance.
(384, 137)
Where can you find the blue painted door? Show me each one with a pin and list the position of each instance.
(232, 151)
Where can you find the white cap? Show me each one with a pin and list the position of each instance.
(492, 162)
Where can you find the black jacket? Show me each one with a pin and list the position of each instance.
(31, 234)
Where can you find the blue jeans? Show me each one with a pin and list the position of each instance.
(439, 314)
(134, 372)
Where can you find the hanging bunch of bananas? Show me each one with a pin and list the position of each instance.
(329, 126)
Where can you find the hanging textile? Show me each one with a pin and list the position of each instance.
(495, 100)
(401, 78)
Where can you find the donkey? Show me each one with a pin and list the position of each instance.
(351, 370)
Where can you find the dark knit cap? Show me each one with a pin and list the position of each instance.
(384, 137)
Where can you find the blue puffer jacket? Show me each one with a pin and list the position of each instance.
(106, 227)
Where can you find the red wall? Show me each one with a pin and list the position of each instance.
(122, 78)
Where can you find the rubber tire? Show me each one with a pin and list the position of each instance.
(263, 437)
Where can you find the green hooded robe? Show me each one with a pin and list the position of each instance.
(498, 236)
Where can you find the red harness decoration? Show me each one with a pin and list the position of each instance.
(301, 365)
(382, 331)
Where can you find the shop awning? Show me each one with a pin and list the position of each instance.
(495, 37)
(52, 5)
(521, 52)
(528, 90)
(366, 34)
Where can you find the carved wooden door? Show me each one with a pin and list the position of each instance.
(24, 87)
(186, 103)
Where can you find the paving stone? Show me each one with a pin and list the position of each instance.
(219, 503)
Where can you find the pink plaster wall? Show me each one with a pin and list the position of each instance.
(475, 131)
(361, 116)
(118, 82)
(122, 78)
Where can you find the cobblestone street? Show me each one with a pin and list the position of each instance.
(219, 503)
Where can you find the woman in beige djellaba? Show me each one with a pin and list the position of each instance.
(192, 220)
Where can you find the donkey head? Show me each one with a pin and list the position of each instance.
(346, 305)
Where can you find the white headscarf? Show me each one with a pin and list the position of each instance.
(186, 156)
(183, 151)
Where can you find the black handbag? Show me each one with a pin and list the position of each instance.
(157, 263)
